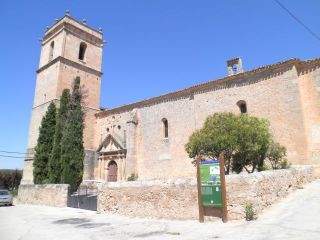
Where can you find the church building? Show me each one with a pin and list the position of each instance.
(147, 138)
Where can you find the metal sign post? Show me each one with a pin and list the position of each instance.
(211, 188)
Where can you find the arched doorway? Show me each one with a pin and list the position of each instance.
(112, 171)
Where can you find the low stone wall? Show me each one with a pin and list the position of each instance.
(264, 188)
(55, 195)
(178, 199)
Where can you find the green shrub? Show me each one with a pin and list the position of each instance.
(276, 156)
(10, 179)
(55, 164)
(265, 167)
(44, 145)
(132, 177)
(59, 153)
(14, 192)
(243, 139)
(249, 212)
(72, 150)
(46, 181)
(284, 164)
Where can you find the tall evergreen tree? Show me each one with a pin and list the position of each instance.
(72, 151)
(55, 164)
(44, 145)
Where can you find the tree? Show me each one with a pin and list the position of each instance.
(72, 151)
(253, 139)
(10, 179)
(55, 164)
(217, 136)
(243, 140)
(276, 156)
(44, 145)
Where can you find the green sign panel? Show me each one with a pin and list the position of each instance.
(210, 183)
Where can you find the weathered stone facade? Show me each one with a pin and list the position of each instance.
(58, 67)
(55, 195)
(178, 199)
(286, 93)
(130, 140)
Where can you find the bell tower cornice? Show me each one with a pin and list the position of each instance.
(70, 63)
(76, 28)
(61, 43)
(71, 29)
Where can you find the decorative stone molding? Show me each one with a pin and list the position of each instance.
(61, 24)
(70, 63)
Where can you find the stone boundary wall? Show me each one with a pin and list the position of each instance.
(178, 199)
(55, 195)
(264, 188)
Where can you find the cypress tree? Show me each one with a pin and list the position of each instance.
(72, 151)
(44, 145)
(55, 164)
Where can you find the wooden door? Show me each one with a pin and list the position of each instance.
(112, 171)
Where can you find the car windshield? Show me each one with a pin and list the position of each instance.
(4, 192)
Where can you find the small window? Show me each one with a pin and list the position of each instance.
(242, 106)
(165, 127)
(51, 51)
(82, 50)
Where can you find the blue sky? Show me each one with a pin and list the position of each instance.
(153, 47)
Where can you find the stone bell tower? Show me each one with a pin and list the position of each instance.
(69, 49)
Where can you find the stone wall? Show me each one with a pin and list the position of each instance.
(55, 195)
(264, 188)
(158, 157)
(309, 84)
(178, 199)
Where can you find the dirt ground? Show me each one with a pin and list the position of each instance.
(296, 217)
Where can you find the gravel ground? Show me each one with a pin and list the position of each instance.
(296, 217)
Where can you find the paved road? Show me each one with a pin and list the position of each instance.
(296, 217)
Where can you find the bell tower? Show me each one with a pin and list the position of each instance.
(69, 49)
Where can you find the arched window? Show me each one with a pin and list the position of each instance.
(242, 106)
(51, 51)
(165, 127)
(82, 50)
